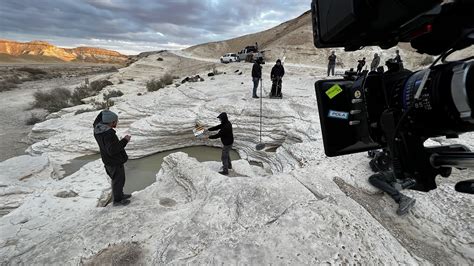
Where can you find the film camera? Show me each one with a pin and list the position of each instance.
(398, 110)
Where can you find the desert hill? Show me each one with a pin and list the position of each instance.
(294, 39)
(40, 51)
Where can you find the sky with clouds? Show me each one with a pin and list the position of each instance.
(132, 26)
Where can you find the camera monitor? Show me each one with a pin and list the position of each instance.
(344, 128)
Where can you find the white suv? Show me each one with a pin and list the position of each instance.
(228, 58)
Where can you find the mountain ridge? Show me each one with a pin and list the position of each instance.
(293, 39)
(42, 49)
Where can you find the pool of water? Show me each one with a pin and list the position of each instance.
(141, 173)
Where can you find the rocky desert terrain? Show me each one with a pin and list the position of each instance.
(19, 82)
(287, 204)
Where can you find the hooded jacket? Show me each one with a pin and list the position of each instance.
(277, 70)
(225, 133)
(257, 70)
(375, 63)
(112, 150)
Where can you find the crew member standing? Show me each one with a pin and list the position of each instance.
(278, 71)
(360, 65)
(256, 76)
(112, 151)
(332, 63)
(227, 138)
(375, 62)
(398, 59)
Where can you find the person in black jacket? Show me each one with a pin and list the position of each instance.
(360, 65)
(278, 71)
(332, 63)
(227, 138)
(398, 59)
(256, 76)
(375, 62)
(112, 151)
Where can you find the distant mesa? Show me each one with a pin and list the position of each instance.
(40, 43)
(41, 51)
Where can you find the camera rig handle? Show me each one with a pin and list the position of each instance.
(411, 159)
(453, 159)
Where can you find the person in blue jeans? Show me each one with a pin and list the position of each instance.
(256, 76)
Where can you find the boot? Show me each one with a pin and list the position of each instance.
(126, 196)
(224, 172)
(123, 202)
(405, 204)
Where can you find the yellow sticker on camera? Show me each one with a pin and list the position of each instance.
(334, 91)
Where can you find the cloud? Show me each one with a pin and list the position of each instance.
(142, 24)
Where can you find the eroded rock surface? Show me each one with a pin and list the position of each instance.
(301, 207)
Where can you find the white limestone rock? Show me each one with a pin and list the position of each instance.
(302, 208)
(221, 219)
(21, 167)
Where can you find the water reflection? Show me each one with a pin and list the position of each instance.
(141, 173)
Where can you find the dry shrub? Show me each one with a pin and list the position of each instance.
(53, 100)
(167, 79)
(33, 119)
(112, 94)
(80, 93)
(98, 85)
(85, 91)
(33, 71)
(102, 105)
(60, 98)
(9, 83)
(154, 85)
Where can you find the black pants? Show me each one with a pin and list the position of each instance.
(226, 162)
(331, 68)
(276, 87)
(117, 174)
(255, 86)
(384, 181)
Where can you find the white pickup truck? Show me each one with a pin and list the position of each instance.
(251, 54)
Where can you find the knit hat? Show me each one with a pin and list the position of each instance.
(108, 117)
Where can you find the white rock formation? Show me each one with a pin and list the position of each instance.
(303, 208)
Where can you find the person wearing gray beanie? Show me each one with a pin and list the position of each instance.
(109, 117)
(112, 151)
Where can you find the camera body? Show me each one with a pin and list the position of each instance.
(431, 26)
(398, 110)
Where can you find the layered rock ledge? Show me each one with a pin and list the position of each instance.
(301, 207)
